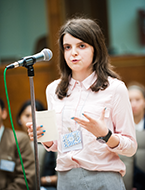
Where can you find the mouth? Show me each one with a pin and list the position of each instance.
(74, 60)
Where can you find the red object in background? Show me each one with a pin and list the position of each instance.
(142, 26)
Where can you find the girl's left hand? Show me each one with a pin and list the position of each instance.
(96, 127)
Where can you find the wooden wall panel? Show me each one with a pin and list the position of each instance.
(55, 17)
(130, 68)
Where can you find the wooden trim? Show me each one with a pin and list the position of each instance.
(127, 61)
(55, 19)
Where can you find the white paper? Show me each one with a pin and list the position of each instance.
(48, 120)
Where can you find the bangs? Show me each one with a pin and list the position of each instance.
(80, 30)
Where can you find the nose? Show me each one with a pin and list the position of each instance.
(74, 51)
(133, 104)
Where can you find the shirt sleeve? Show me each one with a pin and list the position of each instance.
(49, 106)
(123, 122)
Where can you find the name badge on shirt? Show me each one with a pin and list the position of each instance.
(71, 141)
(7, 165)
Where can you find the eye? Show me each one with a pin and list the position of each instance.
(66, 47)
(27, 115)
(82, 46)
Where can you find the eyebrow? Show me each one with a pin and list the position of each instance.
(77, 43)
(66, 44)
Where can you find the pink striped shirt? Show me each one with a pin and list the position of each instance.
(118, 117)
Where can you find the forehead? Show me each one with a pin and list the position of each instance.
(135, 93)
(27, 109)
(70, 39)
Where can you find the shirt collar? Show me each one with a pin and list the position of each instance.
(140, 126)
(87, 82)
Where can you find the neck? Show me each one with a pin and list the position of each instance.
(81, 76)
(138, 118)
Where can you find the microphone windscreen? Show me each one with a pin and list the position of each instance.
(47, 54)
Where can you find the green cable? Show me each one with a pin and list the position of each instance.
(9, 108)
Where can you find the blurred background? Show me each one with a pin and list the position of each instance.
(26, 27)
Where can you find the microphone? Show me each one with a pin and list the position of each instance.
(44, 55)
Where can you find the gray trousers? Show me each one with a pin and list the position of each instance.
(81, 179)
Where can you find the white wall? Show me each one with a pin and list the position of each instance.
(21, 23)
(123, 26)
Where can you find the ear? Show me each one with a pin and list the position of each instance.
(19, 122)
(4, 114)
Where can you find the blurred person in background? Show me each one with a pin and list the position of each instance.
(137, 99)
(47, 160)
(11, 174)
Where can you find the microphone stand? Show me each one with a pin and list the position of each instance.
(30, 71)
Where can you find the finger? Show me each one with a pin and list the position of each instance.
(31, 138)
(30, 135)
(80, 121)
(84, 126)
(29, 124)
(30, 128)
(39, 132)
(39, 136)
(89, 118)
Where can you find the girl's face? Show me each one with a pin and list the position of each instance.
(26, 117)
(78, 56)
(137, 102)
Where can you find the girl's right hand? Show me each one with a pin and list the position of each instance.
(38, 130)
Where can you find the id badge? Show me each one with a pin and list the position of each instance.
(7, 165)
(71, 141)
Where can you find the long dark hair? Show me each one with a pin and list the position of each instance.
(2, 105)
(38, 104)
(89, 32)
